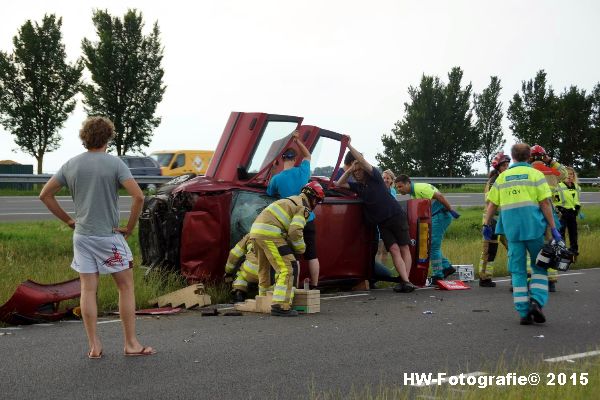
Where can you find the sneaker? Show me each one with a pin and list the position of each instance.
(535, 312)
(434, 280)
(487, 283)
(239, 296)
(526, 320)
(404, 287)
(449, 271)
(277, 311)
(551, 286)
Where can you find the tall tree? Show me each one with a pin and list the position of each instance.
(574, 111)
(592, 153)
(488, 110)
(436, 136)
(532, 114)
(37, 87)
(125, 67)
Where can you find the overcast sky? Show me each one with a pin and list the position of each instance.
(342, 65)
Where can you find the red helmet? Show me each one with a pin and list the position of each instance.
(315, 190)
(500, 159)
(537, 150)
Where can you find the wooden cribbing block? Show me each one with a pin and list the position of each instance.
(247, 306)
(191, 296)
(260, 304)
(307, 301)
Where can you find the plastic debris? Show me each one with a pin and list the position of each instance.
(428, 312)
(5, 333)
(539, 337)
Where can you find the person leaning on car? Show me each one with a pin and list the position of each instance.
(383, 210)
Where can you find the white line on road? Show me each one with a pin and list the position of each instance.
(574, 356)
(343, 296)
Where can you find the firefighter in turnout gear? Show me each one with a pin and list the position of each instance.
(490, 247)
(277, 235)
(555, 173)
(568, 205)
(242, 264)
(523, 196)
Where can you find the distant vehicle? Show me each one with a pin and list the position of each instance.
(192, 222)
(180, 162)
(142, 166)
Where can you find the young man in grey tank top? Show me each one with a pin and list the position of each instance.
(99, 245)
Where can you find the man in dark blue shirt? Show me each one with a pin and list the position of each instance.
(384, 211)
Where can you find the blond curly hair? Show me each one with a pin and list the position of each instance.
(96, 132)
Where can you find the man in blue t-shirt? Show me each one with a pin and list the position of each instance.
(290, 182)
(383, 210)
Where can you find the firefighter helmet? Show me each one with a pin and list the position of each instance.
(555, 255)
(500, 159)
(538, 153)
(315, 190)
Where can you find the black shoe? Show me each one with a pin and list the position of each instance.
(526, 320)
(487, 283)
(535, 312)
(449, 271)
(239, 296)
(404, 287)
(551, 286)
(434, 280)
(511, 288)
(277, 311)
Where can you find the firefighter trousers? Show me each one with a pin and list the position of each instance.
(517, 266)
(488, 256)
(248, 273)
(276, 253)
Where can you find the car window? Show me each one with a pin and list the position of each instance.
(136, 163)
(148, 162)
(245, 208)
(179, 161)
(324, 157)
(125, 160)
(164, 159)
(275, 136)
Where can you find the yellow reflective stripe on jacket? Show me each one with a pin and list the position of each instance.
(250, 267)
(265, 230)
(519, 186)
(237, 250)
(280, 214)
(567, 197)
(299, 220)
(299, 246)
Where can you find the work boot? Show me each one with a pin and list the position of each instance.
(449, 271)
(487, 283)
(535, 311)
(551, 286)
(239, 296)
(404, 287)
(527, 320)
(277, 311)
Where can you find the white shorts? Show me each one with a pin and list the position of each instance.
(101, 254)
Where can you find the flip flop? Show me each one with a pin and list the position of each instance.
(145, 351)
(91, 357)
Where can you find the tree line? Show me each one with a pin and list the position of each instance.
(446, 127)
(38, 87)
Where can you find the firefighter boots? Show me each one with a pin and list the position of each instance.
(239, 296)
(535, 311)
(277, 311)
(487, 283)
(551, 286)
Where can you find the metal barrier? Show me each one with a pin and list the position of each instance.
(26, 178)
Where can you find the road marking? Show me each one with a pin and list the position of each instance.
(344, 296)
(109, 321)
(574, 356)
(569, 274)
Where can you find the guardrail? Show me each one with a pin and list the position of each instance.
(43, 178)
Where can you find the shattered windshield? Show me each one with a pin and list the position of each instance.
(164, 159)
(275, 136)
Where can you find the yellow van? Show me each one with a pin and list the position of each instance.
(179, 162)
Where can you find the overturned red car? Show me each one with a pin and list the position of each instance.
(192, 222)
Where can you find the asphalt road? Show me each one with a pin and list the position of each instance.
(22, 208)
(359, 341)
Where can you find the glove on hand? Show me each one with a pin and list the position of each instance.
(454, 214)
(581, 215)
(487, 232)
(556, 235)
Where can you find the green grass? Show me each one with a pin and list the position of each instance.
(478, 188)
(568, 391)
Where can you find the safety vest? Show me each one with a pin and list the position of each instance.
(567, 197)
(420, 190)
(285, 219)
(518, 192)
(243, 248)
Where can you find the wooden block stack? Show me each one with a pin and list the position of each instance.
(260, 304)
(191, 296)
(307, 301)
